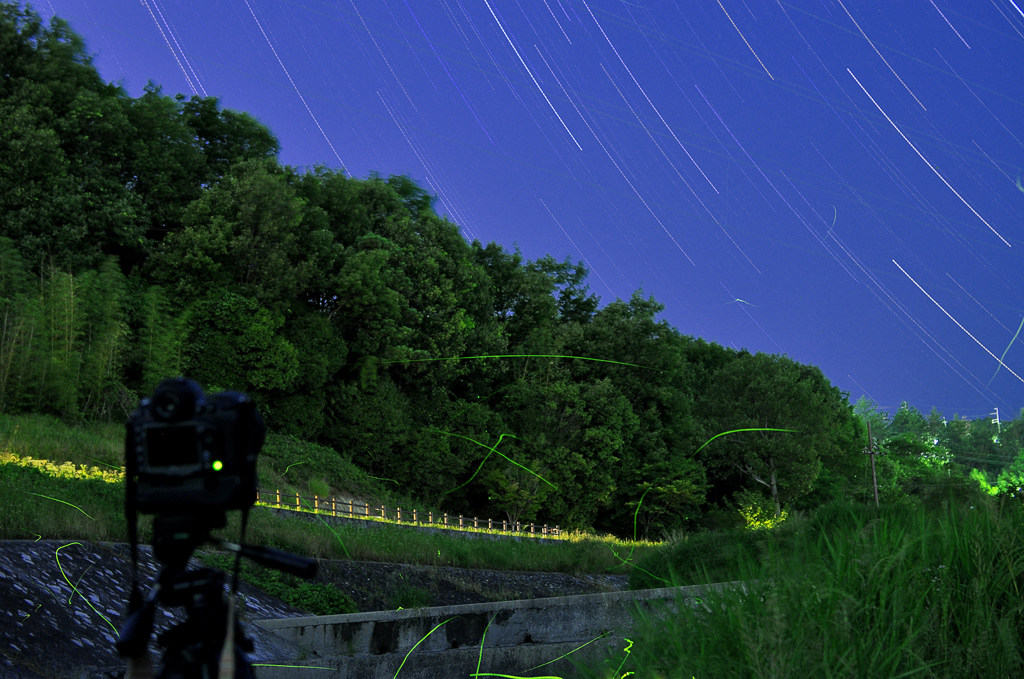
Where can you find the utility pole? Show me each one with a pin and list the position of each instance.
(871, 451)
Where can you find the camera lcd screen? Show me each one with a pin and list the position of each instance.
(172, 446)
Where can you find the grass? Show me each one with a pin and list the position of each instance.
(848, 591)
(68, 483)
(844, 591)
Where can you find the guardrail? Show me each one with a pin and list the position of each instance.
(330, 506)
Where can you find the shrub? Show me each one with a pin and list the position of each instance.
(317, 598)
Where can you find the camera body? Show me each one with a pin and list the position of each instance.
(186, 454)
(188, 460)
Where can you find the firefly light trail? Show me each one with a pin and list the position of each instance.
(1004, 353)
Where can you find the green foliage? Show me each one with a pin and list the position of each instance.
(1011, 479)
(937, 591)
(234, 342)
(105, 343)
(161, 335)
(518, 492)
(142, 238)
(317, 598)
(757, 511)
(700, 559)
(319, 488)
(764, 391)
(246, 234)
(407, 596)
(983, 482)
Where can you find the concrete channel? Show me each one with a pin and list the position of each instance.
(522, 637)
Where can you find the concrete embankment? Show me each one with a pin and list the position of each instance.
(518, 638)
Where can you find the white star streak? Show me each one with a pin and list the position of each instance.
(949, 24)
(645, 94)
(556, 21)
(748, 44)
(878, 53)
(173, 54)
(672, 165)
(606, 152)
(958, 323)
(370, 33)
(294, 86)
(926, 160)
(531, 75)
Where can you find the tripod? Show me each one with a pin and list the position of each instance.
(211, 642)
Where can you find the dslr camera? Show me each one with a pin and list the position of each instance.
(188, 460)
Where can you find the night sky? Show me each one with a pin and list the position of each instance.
(839, 182)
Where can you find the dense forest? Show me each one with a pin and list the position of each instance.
(148, 237)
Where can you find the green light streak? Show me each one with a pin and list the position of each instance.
(1011, 341)
(73, 587)
(734, 431)
(425, 638)
(62, 501)
(493, 449)
(103, 463)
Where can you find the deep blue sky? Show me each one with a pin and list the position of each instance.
(842, 168)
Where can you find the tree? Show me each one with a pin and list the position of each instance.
(574, 306)
(1011, 479)
(671, 497)
(517, 492)
(105, 343)
(908, 420)
(245, 235)
(234, 343)
(299, 411)
(165, 167)
(771, 392)
(15, 336)
(64, 148)
(225, 136)
(867, 411)
(657, 429)
(159, 334)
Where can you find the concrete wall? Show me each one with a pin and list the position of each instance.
(522, 639)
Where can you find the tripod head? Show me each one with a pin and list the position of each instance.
(187, 462)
